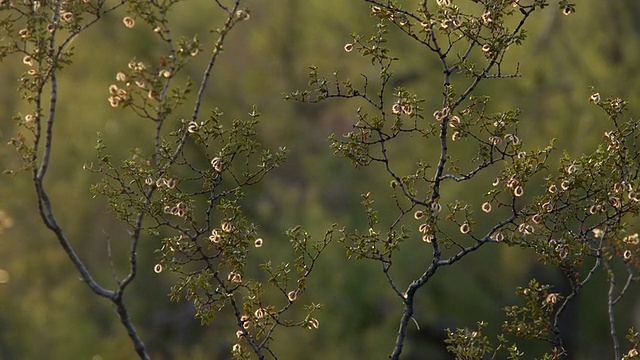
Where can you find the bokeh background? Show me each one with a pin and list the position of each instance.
(46, 312)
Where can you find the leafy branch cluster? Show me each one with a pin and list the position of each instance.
(578, 223)
(187, 184)
(187, 188)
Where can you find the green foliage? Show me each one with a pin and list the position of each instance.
(551, 225)
(190, 181)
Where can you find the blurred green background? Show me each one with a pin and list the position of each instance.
(46, 312)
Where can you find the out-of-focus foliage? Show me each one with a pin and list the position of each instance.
(47, 312)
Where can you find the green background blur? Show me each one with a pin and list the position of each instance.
(47, 313)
